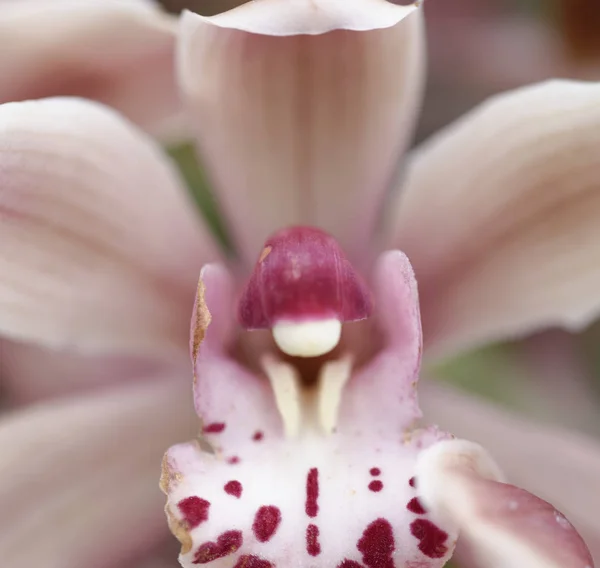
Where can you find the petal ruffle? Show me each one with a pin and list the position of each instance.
(99, 245)
(78, 478)
(502, 524)
(499, 217)
(559, 466)
(302, 110)
(118, 52)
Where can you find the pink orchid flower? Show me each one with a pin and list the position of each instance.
(301, 111)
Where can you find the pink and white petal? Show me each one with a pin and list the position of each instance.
(286, 502)
(560, 466)
(100, 245)
(381, 396)
(499, 217)
(301, 110)
(30, 373)
(503, 524)
(118, 52)
(78, 477)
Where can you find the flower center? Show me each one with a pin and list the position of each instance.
(303, 288)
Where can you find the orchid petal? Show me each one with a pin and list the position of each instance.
(503, 525)
(499, 216)
(79, 476)
(264, 496)
(30, 373)
(99, 244)
(570, 462)
(114, 51)
(301, 110)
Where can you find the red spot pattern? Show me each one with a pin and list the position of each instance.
(214, 428)
(194, 510)
(414, 506)
(349, 564)
(431, 538)
(227, 543)
(266, 522)
(377, 545)
(233, 460)
(251, 561)
(376, 485)
(258, 436)
(375, 471)
(313, 547)
(312, 493)
(412, 481)
(233, 488)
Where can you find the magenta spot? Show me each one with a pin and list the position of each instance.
(258, 436)
(377, 545)
(414, 506)
(349, 564)
(214, 428)
(412, 482)
(194, 510)
(312, 492)
(376, 485)
(266, 522)
(431, 538)
(375, 471)
(313, 547)
(251, 561)
(227, 543)
(233, 488)
(233, 460)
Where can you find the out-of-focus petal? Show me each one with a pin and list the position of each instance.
(118, 52)
(561, 467)
(499, 217)
(502, 524)
(100, 246)
(30, 373)
(302, 110)
(78, 478)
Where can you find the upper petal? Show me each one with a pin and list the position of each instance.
(114, 51)
(301, 110)
(499, 216)
(100, 246)
(557, 465)
(78, 478)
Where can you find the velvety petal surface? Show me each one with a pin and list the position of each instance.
(99, 242)
(78, 478)
(498, 214)
(270, 494)
(119, 52)
(302, 110)
(502, 524)
(556, 465)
